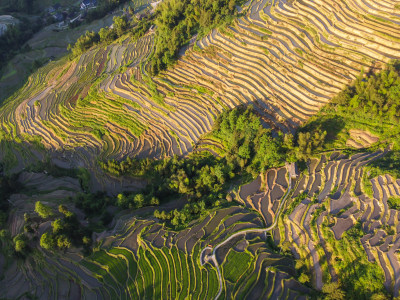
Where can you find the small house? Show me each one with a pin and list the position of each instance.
(87, 4)
(292, 170)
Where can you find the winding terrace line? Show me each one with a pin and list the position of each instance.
(260, 230)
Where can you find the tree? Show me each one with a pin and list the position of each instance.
(63, 242)
(244, 151)
(304, 278)
(139, 200)
(58, 225)
(120, 25)
(122, 200)
(63, 209)
(47, 241)
(333, 291)
(107, 35)
(379, 296)
(154, 201)
(20, 243)
(86, 240)
(43, 210)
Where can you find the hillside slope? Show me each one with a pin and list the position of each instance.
(288, 59)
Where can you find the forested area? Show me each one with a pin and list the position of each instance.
(376, 95)
(177, 21)
(15, 36)
(202, 178)
(24, 6)
(66, 229)
(105, 35)
(7, 186)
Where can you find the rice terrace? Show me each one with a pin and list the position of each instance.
(200, 149)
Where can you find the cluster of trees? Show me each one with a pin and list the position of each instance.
(394, 203)
(180, 218)
(130, 166)
(136, 200)
(248, 144)
(66, 229)
(202, 179)
(376, 94)
(177, 21)
(7, 186)
(16, 35)
(199, 178)
(25, 6)
(105, 35)
(252, 147)
(95, 206)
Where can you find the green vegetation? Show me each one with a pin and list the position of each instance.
(371, 103)
(105, 36)
(198, 178)
(16, 35)
(7, 186)
(66, 229)
(201, 178)
(236, 264)
(333, 291)
(247, 143)
(362, 279)
(178, 21)
(394, 203)
(43, 210)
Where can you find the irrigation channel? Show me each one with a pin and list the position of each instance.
(260, 230)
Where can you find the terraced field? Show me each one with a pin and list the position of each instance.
(335, 231)
(286, 58)
(141, 259)
(332, 226)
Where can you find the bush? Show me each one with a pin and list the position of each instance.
(47, 241)
(394, 202)
(333, 291)
(43, 210)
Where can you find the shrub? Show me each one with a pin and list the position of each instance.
(394, 202)
(43, 210)
(47, 241)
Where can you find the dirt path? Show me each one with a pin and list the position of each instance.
(213, 258)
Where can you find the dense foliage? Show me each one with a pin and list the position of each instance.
(376, 94)
(66, 228)
(16, 35)
(203, 179)
(394, 202)
(198, 179)
(103, 8)
(105, 35)
(247, 142)
(7, 186)
(178, 20)
(25, 6)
